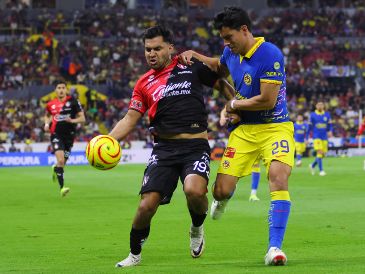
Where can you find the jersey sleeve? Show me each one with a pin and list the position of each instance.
(138, 101)
(206, 75)
(78, 106)
(272, 70)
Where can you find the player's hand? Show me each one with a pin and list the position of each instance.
(185, 57)
(69, 120)
(46, 127)
(229, 105)
(233, 118)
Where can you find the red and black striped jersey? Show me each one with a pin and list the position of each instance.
(173, 97)
(60, 111)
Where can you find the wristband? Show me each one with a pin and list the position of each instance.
(232, 104)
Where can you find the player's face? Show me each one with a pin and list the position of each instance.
(61, 91)
(300, 118)
(157, 52)
(236, 40)
(320, 106)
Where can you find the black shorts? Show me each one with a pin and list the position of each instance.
(174, 159)
(62, 142)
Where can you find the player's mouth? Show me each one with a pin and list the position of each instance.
(153, 62)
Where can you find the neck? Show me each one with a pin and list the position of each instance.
(250, 43)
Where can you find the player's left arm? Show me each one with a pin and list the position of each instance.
(271, 75)
(264, 101)
(80, 118)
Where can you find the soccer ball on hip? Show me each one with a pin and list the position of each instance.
(103, 152)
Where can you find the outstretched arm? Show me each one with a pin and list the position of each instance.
(126, 125)
(212, 62)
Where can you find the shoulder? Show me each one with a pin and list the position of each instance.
(270, 51)
(145, 78)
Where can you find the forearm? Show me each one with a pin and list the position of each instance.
(211, 62)
(225, 89)
(79, 119)
(255, 103)
(126, 125)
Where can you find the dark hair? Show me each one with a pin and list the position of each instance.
(159, 30)
(232, 17)
(60, 82)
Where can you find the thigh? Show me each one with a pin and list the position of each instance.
(68, 142)
(240, 154)
(277, 144)
(57, 143)
(299, 147)
(161, 179)
(318, 144)
(324, 146)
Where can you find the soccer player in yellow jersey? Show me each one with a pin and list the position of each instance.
(257, 70)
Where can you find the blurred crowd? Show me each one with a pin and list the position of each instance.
(102, 45)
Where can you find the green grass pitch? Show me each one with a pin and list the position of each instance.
(88, 231)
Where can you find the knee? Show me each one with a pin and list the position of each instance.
(146, 208)
(279, 176)
(221, 193)
(61, 163)
(195, 193)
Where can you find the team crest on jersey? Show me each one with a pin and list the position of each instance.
(230, 152)
(276, 65)
(67, 104)
(53, 106)
(181, 66)
(136, 104)
(226, 164)
(247, 79)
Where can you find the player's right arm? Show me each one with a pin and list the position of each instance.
(126, 125)
(47, 120)
(212, 62)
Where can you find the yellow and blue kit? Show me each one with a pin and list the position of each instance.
(265, 133)
(264, 63)
(320, 123)
(300, 134)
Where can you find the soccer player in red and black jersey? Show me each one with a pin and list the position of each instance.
(62, 116)
(172, 94)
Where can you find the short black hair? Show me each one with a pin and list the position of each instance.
(159, 30)
(60, 82)
(232, 17)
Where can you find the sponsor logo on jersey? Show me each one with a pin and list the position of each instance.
(61, 117)
(229, 152)
(172, 89)
(151, 78)
(195, 125)
(185, 72)
(181, 66)
(136, 104)
(247, 79)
